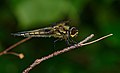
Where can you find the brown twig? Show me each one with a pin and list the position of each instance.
(80, 44)
(13, 46)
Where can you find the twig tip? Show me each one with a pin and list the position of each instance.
(92, 34)
(21, 56)
(111, 34)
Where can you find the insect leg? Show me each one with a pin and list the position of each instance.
(68, 41)
(55, 42)
(72, 41)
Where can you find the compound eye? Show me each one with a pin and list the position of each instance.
(73, 32)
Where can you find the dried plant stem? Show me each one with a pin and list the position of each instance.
(13, 46)
(80, 44)
(96, 40)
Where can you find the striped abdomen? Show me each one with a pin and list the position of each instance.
(35, 33)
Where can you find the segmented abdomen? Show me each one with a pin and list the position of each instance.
(34, 33)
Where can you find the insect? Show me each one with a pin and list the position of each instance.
(61, 31)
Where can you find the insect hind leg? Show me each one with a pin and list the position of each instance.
(56, 41)
(73, 42)
(70, 42)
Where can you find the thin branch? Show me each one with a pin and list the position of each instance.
(97, 40)
(13, 46)
(20, 55)
(80, 44)
(88, 38)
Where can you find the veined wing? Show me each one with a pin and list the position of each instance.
(43, 32)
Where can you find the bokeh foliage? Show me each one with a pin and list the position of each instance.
(100, 17)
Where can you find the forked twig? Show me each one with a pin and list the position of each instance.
(13, 46)
(80, 44)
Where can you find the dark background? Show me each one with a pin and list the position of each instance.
(100, 17)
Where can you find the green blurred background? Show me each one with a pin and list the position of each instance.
(100, 17)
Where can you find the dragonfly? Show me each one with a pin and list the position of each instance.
(60, 30)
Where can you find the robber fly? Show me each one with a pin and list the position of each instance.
(61, 31)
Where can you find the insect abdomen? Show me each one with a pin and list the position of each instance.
(32, 34)
(24, 34)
